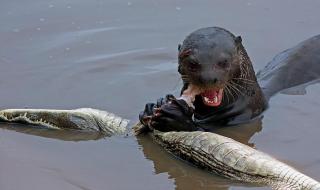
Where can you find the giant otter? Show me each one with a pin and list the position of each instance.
(214, 61)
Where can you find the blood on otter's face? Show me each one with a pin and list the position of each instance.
(208, 58)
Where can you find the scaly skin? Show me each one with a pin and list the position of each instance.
(80, 119)
(210, 151)
(233, 160)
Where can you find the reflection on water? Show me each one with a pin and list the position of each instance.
(186, 176)
(241, 133)
(65, 135)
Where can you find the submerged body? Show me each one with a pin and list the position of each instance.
(215, 61)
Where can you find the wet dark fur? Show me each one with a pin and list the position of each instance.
(243, 99)
(213, 58)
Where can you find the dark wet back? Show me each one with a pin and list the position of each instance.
(118, 55)
(297, 66)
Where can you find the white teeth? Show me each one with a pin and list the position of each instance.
(214, 101)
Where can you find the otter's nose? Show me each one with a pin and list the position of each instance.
(211, 77)
(209, 80)
(214, 80)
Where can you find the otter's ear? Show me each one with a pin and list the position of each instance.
(179, 47)
(238, 40)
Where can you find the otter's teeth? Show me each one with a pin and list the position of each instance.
(206, 99)
(215, 99)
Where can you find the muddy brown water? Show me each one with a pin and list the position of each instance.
(117, 55)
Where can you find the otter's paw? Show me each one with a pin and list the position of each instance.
(175, 115)
(151, 109)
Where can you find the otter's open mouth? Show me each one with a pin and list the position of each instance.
(212, 97)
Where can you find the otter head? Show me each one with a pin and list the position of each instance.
(209, 59)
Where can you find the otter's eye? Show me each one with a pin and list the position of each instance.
(193, 66)
(224, 64)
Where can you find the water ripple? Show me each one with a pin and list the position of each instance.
(118, 54)
(71, 37)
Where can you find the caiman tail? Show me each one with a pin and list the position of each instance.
(297, 66)
(79, 119)
(231, 159)
(216, 153)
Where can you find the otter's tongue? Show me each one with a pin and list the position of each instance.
(212, 97)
